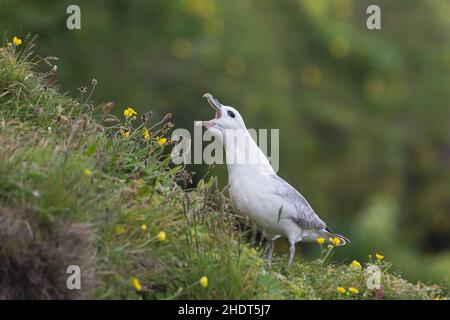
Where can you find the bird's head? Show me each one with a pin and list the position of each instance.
(226, 118)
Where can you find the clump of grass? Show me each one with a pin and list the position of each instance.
(81, 185)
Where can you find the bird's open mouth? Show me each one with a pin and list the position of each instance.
(215, 104)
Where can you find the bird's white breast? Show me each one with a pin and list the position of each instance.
(252, 197)
(252, 191)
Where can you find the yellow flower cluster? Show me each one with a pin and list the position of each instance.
(161, 141)
(352, 290)
(379, 256)
(335, 241)
(146, 134)
(203, 281)
(129, 112)
(17, 41)
(161, 236)
(125, 133)
(136, 284)
(144, 228)
(320, 241)
(355, 265)
(341, 290)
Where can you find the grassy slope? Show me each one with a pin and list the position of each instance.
(53, 214)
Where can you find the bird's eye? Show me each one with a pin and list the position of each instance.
(231, 114)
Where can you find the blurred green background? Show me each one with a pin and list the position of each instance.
(363, 115)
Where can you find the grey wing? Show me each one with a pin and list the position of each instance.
(306, 217)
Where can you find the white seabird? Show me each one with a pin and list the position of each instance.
(257, 192)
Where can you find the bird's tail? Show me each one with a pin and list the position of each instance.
(342, 240)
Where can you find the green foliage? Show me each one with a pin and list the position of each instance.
(76, 190)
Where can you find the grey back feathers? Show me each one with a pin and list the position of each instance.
(306, 218)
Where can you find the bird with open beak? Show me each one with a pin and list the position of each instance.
(257, 192)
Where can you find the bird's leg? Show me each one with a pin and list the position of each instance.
(270, 252)
(292, 253)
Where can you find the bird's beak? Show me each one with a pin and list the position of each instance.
(213, 102)
(217, 106)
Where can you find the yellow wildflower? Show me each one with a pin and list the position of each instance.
(161, 141)
(120, 230)
(336, 241)
(203, 281)
(355, 265)
(125, 133)
(320, 240)
(144, 227)
(161, 236)
(353, 290)
(87, 172)
(341, 290)
(146, 134)
(136, 284)
(129, 112)
(379, 256)
(17, 41)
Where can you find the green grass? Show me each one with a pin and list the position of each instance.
(53, 214)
